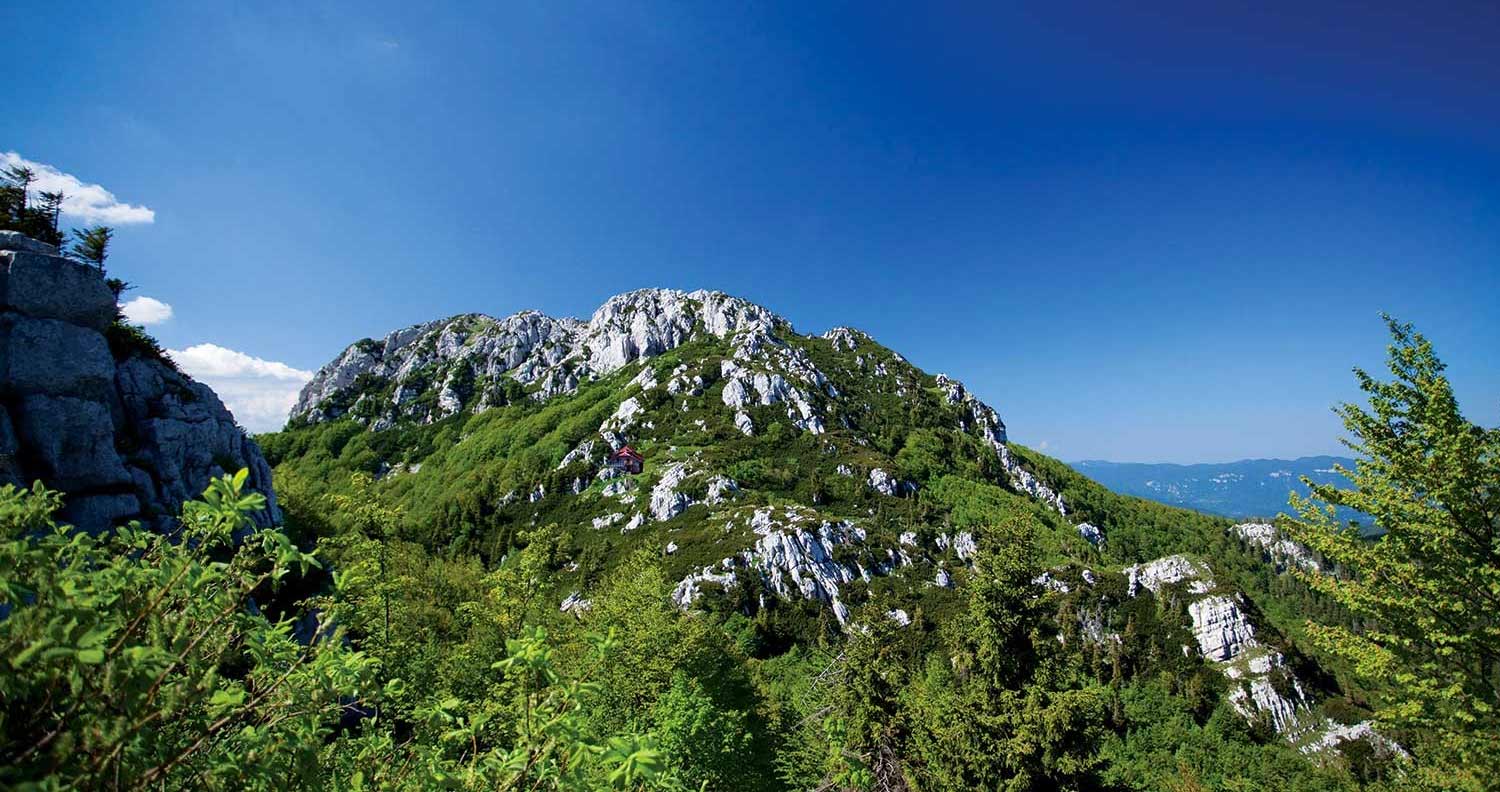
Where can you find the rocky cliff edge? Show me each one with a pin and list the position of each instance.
(114, 426)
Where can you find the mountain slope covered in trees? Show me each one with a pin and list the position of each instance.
(799, 490)
(834, 572)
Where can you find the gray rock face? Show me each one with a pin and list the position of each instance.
(793, 560)
(1333, 735)
(464, 361)
(1282, 551)
(15, 240)
(123, 439)
(845, 339)
(584, 452)
(882, 482)
(1262, 685)
(182, 436)
(1221, 628)
(1153, 575)
(666, 501)
(43, 285)
(69, 442)
(52, 356)
(10, 466)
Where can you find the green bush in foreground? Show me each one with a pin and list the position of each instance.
(137, 660)
(134, 659)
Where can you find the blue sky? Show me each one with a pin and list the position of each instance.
(1157, 235)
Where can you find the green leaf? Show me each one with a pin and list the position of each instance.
(27, 653)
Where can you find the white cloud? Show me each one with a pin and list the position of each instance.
(89, 203)
(146, 311)
(259, 392)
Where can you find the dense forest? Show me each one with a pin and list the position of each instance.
(403, 629)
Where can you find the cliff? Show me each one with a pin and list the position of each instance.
(89, 412)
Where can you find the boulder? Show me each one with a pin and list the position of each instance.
(1091, 533)
(91, 510)
(666, 501)
(47, 286)
(882, 482)
(720, 489)
(69, 442)
(15, 240)
(53, 357)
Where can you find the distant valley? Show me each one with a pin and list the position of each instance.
(1247, 488)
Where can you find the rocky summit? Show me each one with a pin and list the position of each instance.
(91, 408)
(430, 371)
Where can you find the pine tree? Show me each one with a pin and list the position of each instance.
(16, 212)
(20, 178)
(1428, 591)
(92, 245)
(49, 209)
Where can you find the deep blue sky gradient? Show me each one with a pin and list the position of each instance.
(1156, 235)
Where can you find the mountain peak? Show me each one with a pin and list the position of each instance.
(455, 358)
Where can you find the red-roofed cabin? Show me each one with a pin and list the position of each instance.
(627, 459)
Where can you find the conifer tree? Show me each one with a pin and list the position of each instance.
(20, 178)
(49, 209)
(92, 245)
(1427, 592)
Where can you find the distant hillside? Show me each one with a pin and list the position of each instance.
(1247, 488)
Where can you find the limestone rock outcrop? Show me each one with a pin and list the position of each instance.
(1281, 551)
(462, 359)
(794, 558)
(121, 432)
(1262, 685)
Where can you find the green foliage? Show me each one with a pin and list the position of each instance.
(91, 245)
(1427, 592)
(1009, 711)
(1163, 745)
(135, 659)
(127, 341)
(138, 660)
(714, 744)
(18, 212)
(458, 539)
